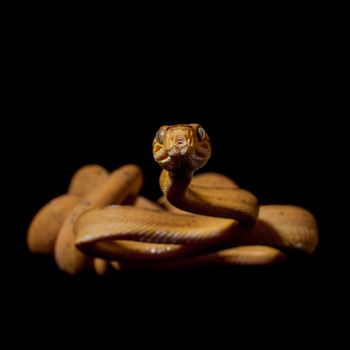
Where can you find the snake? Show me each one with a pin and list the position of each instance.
(205, 219)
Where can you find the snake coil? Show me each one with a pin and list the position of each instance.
(201, 220)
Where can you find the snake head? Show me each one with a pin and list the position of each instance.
(181, 147)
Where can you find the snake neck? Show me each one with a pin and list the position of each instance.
(230, 203)
(175, 186)
(178, 190)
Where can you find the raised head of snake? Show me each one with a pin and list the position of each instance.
(182, 149)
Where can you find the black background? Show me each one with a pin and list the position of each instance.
(266, 104)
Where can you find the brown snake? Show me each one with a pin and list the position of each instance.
(200, 220)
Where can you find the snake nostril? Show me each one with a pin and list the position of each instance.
(180, 143)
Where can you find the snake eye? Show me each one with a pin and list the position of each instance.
(160, 136)
(200, 133)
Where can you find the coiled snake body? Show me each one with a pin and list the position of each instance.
(200, 220)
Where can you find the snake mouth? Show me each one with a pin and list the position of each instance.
(172, 159)
(160, 155)
(176, 151)
(165, 160)
(174, 154)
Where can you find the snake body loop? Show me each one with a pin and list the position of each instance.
(200, 220)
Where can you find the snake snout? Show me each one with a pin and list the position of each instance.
(178, 146)
(180, 143)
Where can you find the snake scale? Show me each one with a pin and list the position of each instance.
(206, 219)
